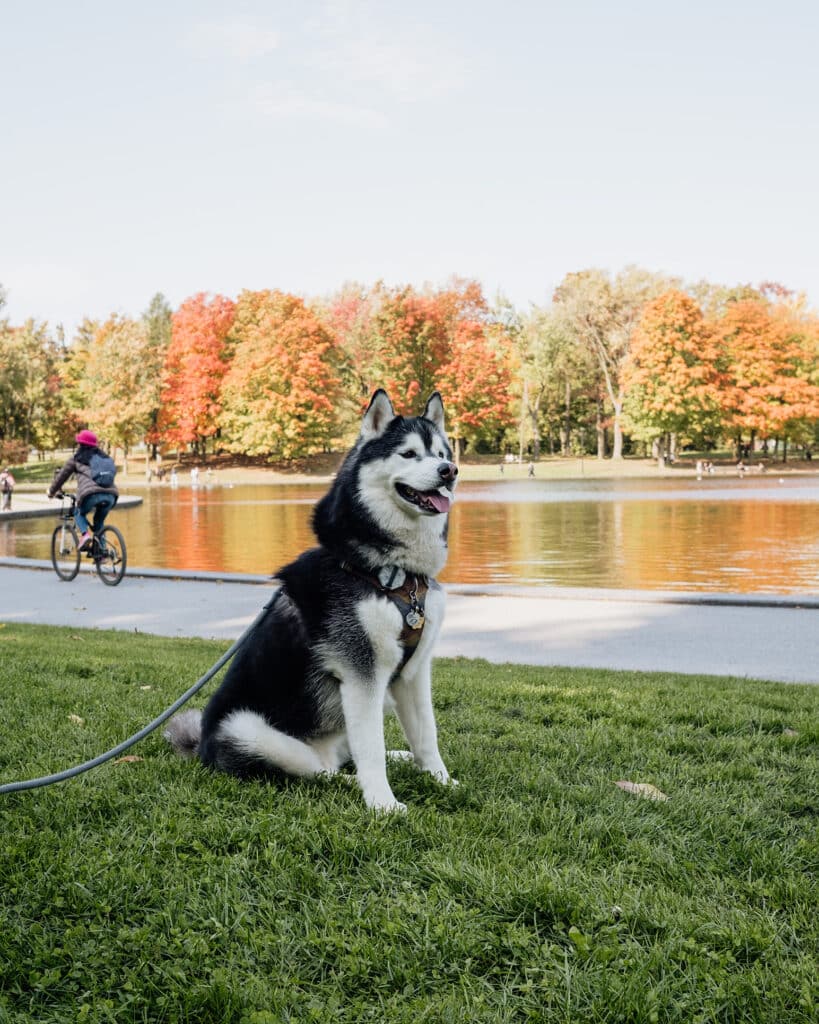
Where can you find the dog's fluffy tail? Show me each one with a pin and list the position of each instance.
(184, 732)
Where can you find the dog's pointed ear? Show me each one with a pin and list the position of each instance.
(379, 413)
(434, 411)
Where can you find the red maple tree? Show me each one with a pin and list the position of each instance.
(195, 364)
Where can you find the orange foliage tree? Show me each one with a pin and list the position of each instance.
(475, 384)
(769, 392)
(279, 395)
(673, 375)
(195, 363)
(414, 344)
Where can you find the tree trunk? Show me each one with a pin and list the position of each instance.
(535, 433)
(601, 431)
(567, 429)
(617, 443)
(524, 413)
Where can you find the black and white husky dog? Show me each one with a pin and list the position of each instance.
(352, 626)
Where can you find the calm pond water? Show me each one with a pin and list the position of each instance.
(755, 535)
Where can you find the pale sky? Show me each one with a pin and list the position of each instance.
(211, 146)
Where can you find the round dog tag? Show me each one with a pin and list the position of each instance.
(414, 619)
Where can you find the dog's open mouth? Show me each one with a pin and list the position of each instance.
(428, 501)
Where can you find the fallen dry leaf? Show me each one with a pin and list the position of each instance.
(789, 732)
(146, 687)
(642, 789)
(76, 720)
(128, 759)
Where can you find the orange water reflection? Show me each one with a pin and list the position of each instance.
(662, 535)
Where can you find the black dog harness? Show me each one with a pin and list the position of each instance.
(407, 592)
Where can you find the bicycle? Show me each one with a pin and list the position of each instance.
(107, 547)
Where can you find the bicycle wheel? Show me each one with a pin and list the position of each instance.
(110, 556)
(65, 551)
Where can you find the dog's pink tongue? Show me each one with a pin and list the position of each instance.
(438, 501)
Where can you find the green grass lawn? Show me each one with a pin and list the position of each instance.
(537, 890)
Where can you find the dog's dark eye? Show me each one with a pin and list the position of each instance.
(407, 455)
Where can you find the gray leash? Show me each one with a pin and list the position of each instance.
(70, 773)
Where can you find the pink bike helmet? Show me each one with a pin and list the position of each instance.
(87, 437)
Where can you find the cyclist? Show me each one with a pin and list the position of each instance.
(91, 494)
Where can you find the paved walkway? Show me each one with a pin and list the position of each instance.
(774, 638)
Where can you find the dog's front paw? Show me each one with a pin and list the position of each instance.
(388, 807)
(381, 799)
(440, 774)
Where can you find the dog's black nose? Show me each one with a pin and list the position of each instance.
(447, 471)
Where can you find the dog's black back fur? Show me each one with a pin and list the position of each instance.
(274, 673)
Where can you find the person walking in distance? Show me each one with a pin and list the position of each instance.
(96, 491)
(7, 488)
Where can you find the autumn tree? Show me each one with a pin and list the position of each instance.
(601, 313)
(280, 392)
(674, 373)
(116, 385)
(350, 316)
(414, 343)
(195, 363)
(769, 391)
(475, 384)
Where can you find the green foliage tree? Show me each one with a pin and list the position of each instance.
(30, 402)
(117, 389)
(158, 321)
(555, 372)
(602, 313)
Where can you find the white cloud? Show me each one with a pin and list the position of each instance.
(237, 39)
(406, 71)
(280, 103)
(355, 43)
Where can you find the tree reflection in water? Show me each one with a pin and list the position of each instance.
(653, 535)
